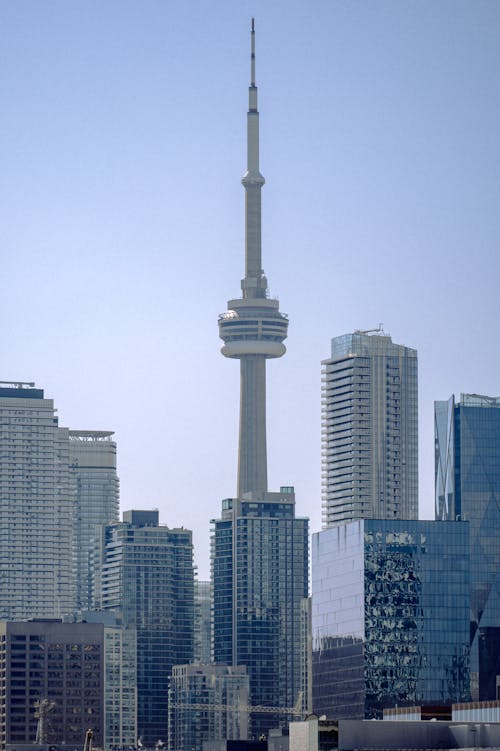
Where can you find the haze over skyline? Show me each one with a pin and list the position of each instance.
(122, 234)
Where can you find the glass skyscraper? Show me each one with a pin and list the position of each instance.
(369, 429)
(145, 571)
(260, 577)
(390, 616)
(467, 473)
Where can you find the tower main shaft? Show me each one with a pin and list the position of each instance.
(253, 329)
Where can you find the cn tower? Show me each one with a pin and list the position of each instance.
(253, 329)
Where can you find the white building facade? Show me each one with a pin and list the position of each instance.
(369, 429)
(37, 507)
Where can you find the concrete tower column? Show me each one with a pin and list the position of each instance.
(252, 458)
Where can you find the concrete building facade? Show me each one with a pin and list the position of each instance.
(369, 429)
(37, 507)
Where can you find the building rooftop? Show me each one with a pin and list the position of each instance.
(479, 400)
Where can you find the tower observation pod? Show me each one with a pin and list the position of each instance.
(253, 329)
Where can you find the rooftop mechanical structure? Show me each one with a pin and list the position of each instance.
(253, 329)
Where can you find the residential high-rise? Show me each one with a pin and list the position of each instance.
(145, 572)
(369, 429)
(390, 616)
(37, 507)
(467, 474)
(120, 686)
(206, 703)
(93, 463)
(260, 575)
(259, 548)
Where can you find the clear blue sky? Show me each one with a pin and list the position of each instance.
(122, 140)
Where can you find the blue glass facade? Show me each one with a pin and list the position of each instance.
(260, 577)
(468, 487)
(389, 616)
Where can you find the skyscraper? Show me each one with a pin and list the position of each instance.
(259, 548)
(93, 464)
(145, 572)
(260, 575)
(389, 616)
(37, 507)
(369, 429)
(467, 473)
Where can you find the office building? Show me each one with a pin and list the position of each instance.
(92, 456)
(120, 677)
(206, 703)
(61, 663)
(144, 571)
(37, 507)
(390, 616)
(467, 476)
(259, 548)
(369, 429)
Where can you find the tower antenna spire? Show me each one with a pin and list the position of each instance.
(254, 284)
(252, 55)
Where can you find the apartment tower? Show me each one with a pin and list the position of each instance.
(369, 429)
(144, 571)
(93, 464)
(37, 507)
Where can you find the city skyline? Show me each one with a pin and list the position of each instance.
(122, 141)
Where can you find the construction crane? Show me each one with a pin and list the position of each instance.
(87, 746)
(380, 330)
(297, 710)
(42, 709)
